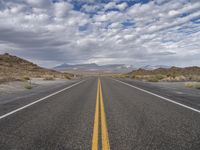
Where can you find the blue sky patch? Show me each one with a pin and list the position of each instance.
(128, 24)
(83, 28)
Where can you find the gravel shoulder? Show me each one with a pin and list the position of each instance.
(14, 94)
(173, 90)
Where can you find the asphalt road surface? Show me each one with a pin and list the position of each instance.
(99, 114)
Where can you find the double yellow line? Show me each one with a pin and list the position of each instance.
(101, 113)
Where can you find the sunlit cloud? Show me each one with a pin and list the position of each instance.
(137, 32)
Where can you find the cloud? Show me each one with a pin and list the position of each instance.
(122, 6)
(130, 32)
(91, 8)
(38, 3)
(62, 9)
(114, 5)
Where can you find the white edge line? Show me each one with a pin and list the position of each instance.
(39, 100)
(164, 98)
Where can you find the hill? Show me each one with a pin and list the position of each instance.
(167, 74)
(15, 68)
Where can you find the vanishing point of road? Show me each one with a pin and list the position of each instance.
(100, 113)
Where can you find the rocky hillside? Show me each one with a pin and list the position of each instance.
(167, 74)
(15, 68)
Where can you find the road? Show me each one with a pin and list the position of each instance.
(103, 114)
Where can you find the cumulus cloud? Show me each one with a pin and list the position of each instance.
(114, 5)
(38, 3)
(130, 32)
(62, 9)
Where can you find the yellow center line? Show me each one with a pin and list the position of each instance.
(96, 122)
(104, 131)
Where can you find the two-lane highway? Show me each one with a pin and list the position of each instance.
(101, 114)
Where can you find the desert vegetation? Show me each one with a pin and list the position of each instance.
(28, 85)
(49, 78)
(172, 74)
(195, 85)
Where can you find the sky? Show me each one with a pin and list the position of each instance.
(132, 32)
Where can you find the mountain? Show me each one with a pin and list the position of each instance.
(150, 67)
(111, 68)
(64, 67)
(15, 68)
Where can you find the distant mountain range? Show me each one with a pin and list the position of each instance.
(111, 68)
(151, 67)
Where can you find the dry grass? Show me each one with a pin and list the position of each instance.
(49, 78)
(120, 76)
(67, 77)
(195, 85)
(8, 79)
(27, 85)
(152, 80)
(26, 78)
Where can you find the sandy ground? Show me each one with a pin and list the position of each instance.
(16, 90)
(170, 88)
(18, 86)
(177, 87)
